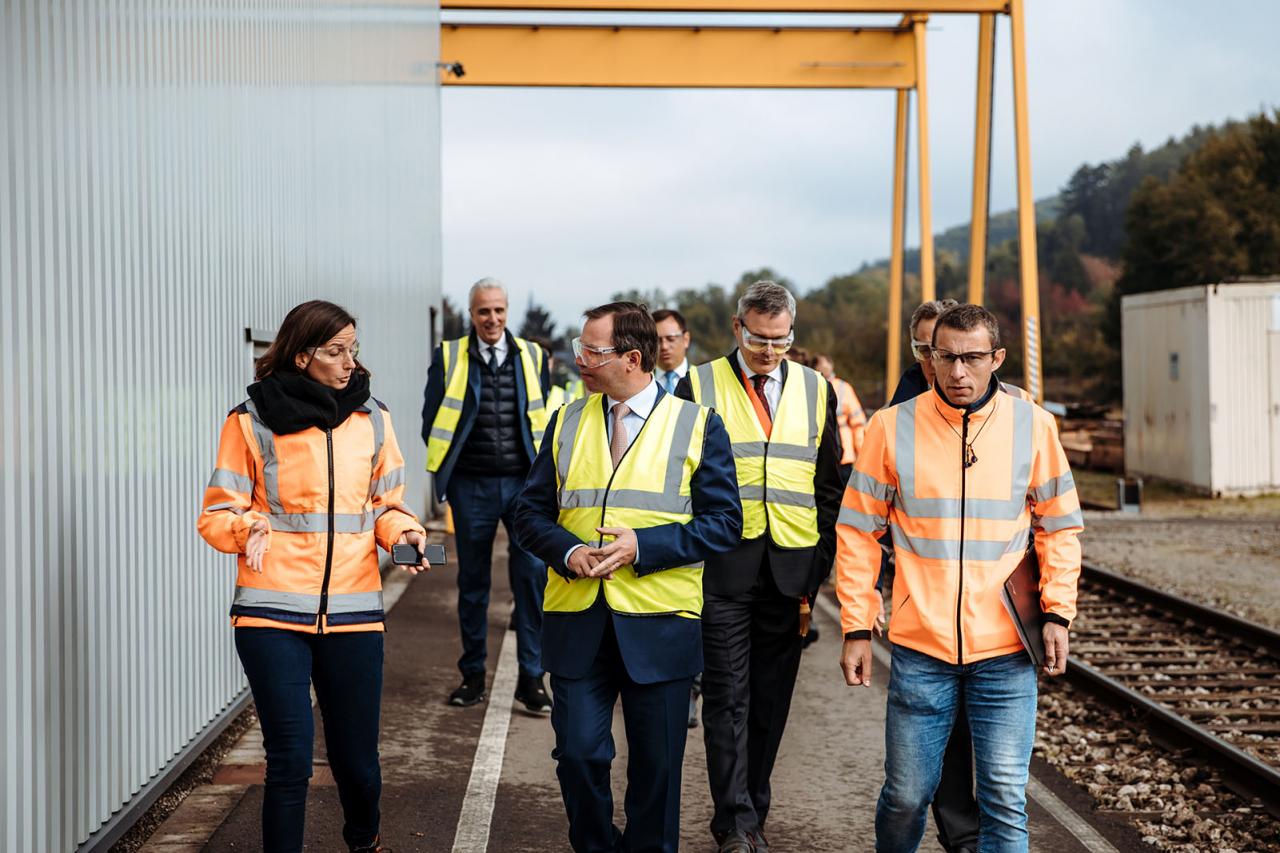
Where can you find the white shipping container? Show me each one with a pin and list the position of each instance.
(1202, 386)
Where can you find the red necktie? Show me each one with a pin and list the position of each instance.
(758, 380)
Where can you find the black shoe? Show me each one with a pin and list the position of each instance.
(530, 691)
(374, 847)
(736, 841)
(810, 638)
(759, 843)
(469, 692)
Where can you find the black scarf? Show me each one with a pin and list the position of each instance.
(291, 402)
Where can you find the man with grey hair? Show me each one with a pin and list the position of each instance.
(781, 418)
(483, 418)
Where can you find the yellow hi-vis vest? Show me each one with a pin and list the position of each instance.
(555, 399)
(775, 472)
(457, 365)
(651, 486)
(574, 389)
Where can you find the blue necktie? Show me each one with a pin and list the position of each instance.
(669, 382)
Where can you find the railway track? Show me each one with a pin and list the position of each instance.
(1196, 677)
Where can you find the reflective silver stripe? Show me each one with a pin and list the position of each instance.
(355, 602)
(785, 497)
(748, 449)
(679, 450)
(231, 481)
(706, 384)
(1054, 523)
(994, 509)
(794, 451)
(626, 499)
(870, 486)
(450, 403)
(441, 433)
(1019, 541)
(751, 493)
(866, 522)
(811, 400)
(298, 602)
(988, 550)
(388, 481)
(1055, 488)
(451, 362)
(225, 507)
(270, 467)
(858, 413)
(572, 414)
(318, 522)
(379, 435)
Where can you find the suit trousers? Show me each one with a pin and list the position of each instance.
(656, 720)
(479, 503)
(751, 647)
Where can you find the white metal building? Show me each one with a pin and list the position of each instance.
(171, 175)
(1202, 386)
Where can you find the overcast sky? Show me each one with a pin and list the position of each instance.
(571, 195)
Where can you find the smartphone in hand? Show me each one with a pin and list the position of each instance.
(407, 555)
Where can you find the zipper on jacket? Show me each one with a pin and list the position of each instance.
(328, 554)
(964, 476)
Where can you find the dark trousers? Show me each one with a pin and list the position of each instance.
(346, 670)
(656, 719)
(751, 648)
(479, 503)
(955, 809)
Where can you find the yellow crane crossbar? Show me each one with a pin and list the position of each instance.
(679, 56)
(843, 6)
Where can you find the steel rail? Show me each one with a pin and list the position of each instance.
(1241, 771)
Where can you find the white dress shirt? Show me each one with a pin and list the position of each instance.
(641, 405)
(500, 349)
(772, 385)
(680, 371)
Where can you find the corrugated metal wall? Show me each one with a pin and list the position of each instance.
(172, 173)
(1240, 389)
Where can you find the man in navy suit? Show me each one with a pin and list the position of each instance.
(482, 420)
(632, 490)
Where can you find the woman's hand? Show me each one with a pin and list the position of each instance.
(417, 540)
(258, 544)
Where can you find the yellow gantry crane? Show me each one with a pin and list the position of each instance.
(707, 55)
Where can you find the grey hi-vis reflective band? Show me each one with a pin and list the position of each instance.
(668, 500)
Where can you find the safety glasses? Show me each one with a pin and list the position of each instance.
(593, 357)
(755, 343)
(968, 359)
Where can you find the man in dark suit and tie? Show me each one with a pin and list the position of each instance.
(781, 418)
(632, 491)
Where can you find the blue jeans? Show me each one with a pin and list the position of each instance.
(479, 503)
(999, 695)
(346, 670)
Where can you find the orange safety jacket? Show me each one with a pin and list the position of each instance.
(958, 533)
(851, 420)
(328, 497)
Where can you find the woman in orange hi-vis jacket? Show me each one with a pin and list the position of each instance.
(850, 418)
(963, 476)
(309, 482)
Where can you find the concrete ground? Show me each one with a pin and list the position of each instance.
(825, 785)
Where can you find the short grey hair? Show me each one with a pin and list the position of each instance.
(930, 310)
(486, 283)
(768, 298)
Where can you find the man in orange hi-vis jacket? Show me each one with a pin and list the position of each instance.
(962, 476)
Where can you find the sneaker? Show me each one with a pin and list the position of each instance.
(374, 847)
(759, 844)
(529, 690)
(469, 692)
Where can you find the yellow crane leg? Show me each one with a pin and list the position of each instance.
(892, 364)
(1029, 267)
(982, 158)
(927, 278)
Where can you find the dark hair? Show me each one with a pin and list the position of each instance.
(633, 329)
(966, 317)
(930, 310)
(800, 355)
(307, 326)
(670, 314)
